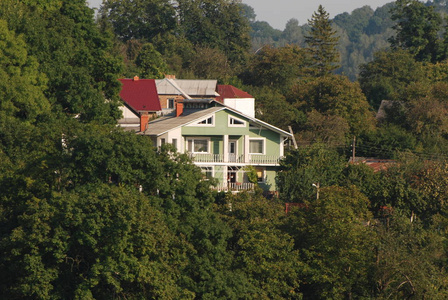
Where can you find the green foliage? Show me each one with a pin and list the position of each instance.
(304, 167)
(215, 24)
(210, 63)
(357, 21)
(406, 254)
(417, 29)
(334, 244)
(22, 86)
(142, 19)
(334, 95)
(388, 75)
(263, 252)
(73, 55)
(97, 240)
(322, 42)
(150, 62)
(277, 68)
(271, 106)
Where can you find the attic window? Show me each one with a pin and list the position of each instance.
(234, 122)
(208, 121)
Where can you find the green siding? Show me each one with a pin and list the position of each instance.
(221, 128)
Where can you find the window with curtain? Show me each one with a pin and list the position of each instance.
(256, 146)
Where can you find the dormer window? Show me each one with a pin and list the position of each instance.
(234, 122)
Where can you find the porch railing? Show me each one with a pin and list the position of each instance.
(264, 159)
(219, 158)
(235, 186)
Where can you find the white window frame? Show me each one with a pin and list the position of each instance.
(198, 138)
(263, 147)
(174, 143)
(207, 124)
(230, 117)
(205, 169)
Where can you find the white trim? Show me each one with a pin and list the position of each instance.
(208, 167)
(263, 146)
(235, 158)
(230, 117)
(193, 138)
(195, 123)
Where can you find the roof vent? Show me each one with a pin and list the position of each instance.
(136, 78)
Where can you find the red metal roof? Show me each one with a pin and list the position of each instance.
(229, 91)
(140, 94)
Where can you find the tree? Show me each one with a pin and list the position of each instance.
(150, 62)
(304, 167)
(209, 63)
(141, 20)
(74, 55)
(293, 32)
(215, 24)
(322, 42)
(406, 253)
(277, 68)
(334, 95)
(22, 86)
(388, 75)
(417, 29)
(334, 244)
(96, 241)
(263, 252)
(272, 107)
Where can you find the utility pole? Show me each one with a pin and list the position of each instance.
(293, 138)
(317, 186)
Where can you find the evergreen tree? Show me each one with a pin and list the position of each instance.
(322, 42)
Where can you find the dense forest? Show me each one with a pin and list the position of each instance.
(89, 211)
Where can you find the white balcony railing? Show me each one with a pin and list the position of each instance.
(264, 159)
(254, 159)
(235, 186)
(207, 157)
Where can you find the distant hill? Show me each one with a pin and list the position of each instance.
(362, 32)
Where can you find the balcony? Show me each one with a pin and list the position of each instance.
(252, 159)
(234, 187)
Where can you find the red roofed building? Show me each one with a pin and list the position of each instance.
(236, 99)
(141, 103)
(229, 91)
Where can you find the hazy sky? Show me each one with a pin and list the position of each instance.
(278, 12)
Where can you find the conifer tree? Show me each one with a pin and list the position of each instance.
(322, 42)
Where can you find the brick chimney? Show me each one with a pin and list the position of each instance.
(136, 78)
(144, 119)
(170, 76)
(179, 108)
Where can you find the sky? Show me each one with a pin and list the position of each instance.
(278, 12)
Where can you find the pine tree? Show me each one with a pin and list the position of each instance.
(322, 42)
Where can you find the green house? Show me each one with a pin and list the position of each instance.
(223, 142)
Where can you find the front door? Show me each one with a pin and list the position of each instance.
(231, 175)
(232, 151)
